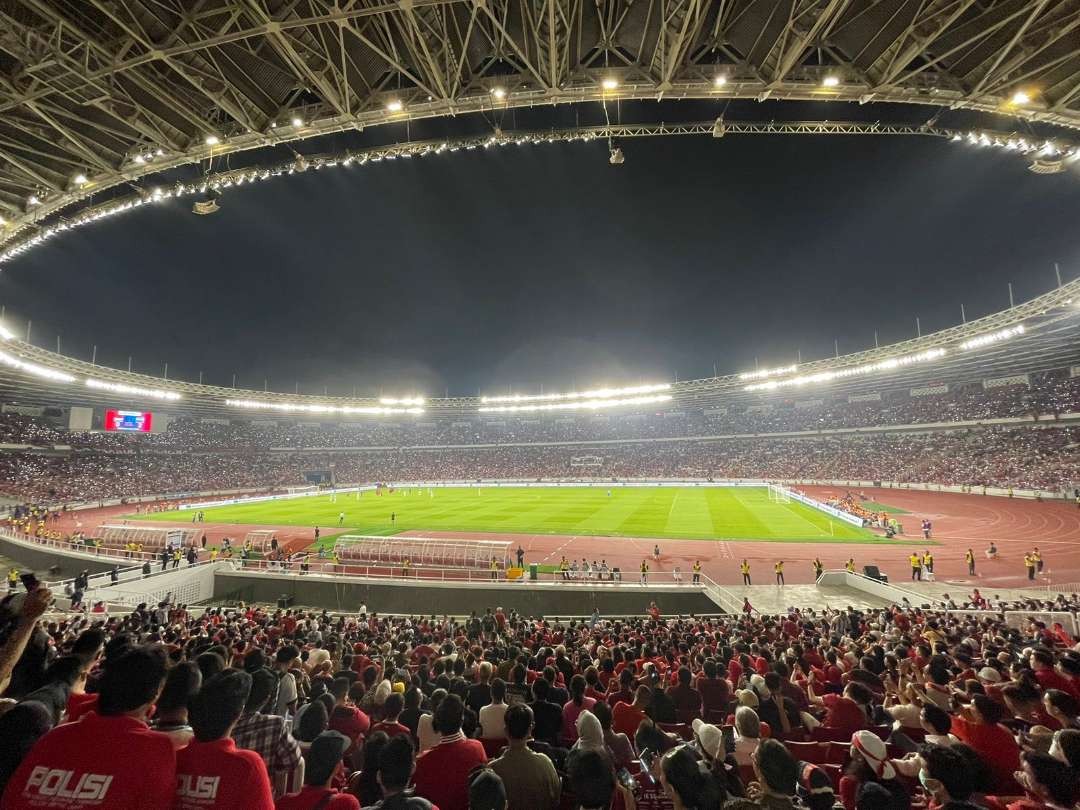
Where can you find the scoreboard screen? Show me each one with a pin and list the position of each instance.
(128, 421)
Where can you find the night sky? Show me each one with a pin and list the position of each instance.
(543, 265)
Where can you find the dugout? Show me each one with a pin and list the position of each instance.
(427, 551)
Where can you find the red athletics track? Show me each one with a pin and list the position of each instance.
(960, 522)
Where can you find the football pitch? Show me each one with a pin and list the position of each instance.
(690, 513)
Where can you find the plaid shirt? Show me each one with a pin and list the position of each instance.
(269, 737)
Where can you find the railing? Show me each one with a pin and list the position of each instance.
(68, 546)
(1064, 587)
(875, 587)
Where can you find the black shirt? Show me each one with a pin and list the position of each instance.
(548, 719)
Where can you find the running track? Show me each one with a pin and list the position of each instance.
(960, 522)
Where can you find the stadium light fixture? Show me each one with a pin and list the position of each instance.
(296, 407)
(297, 121)
(826, 376)
(407, 401)
(579, 405)
(79, 179)
(768, 372)
(610, 83)
(33, 199)
(830, 81)
(499, 93)
(596, 393)
(395, 106)
(212, 140)
(5, 333)
(720, 80)
(34, 369)
(121, 388)
(993, 337)
(1020, 98)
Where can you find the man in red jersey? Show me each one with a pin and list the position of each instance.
(211, 771)
(442, 772)
(109, 758)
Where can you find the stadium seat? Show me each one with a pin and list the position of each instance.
(813, 752)
(827, 734)
(837, 753)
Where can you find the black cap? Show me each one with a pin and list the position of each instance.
(324, 756)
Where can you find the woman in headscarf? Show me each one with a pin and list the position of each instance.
(590, 736)
(870, 763)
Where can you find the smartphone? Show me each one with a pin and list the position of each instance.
(626, 779)
(646, 759)
(29, 581)
(727, 734)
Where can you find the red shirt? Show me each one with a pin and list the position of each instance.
(78, 705)
(1052, 679)
(625, 719)
(715, 692)
(219, 775)
(105, 762)
(350, 721)
(995, 744)
(310, 797)
(391, 728)
(442, 773)
(844, 714)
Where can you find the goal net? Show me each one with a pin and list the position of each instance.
(778, 494)
(302, 490)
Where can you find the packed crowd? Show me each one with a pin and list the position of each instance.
(248, 708)
(1049, 394)
(1021, 458)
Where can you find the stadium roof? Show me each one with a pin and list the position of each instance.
(1037, 335)
(98, 93)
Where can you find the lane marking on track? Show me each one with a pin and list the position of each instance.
(559, 549)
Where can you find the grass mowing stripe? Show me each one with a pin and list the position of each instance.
(642, 512)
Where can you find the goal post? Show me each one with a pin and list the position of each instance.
(778, 493)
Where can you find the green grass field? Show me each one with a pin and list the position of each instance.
(692, 513)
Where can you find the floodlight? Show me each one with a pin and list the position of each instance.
(499, 93)
(719, 81)
(139, 159)
(395, 106)
(609, 83)
(212, 140)
(1020, 98)
(33, 199)
(34, 369)
(120, 388)
(616, 157)
(297, 121)
(831, 81)
(5, 333)
(80, 179)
